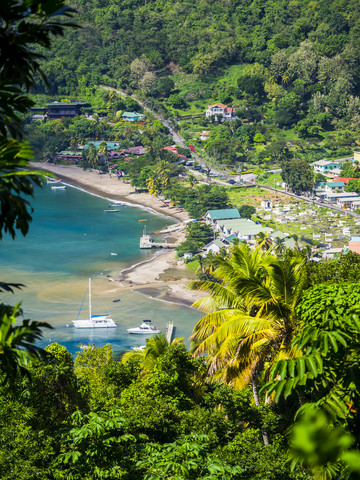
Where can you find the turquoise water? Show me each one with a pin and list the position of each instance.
(70, 240)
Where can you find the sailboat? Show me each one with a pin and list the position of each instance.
(94, 321)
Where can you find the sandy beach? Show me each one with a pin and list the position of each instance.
(146, 277)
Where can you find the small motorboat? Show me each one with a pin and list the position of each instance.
(146, 328)
(116, 300)
(110, 211)
(116, 204)
(58, 187)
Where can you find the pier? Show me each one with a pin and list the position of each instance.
(170, 332)
(146, 241)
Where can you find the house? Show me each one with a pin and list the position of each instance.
(214, 246)
(355, 204)
(334, 187)
(324, 166)
(213, 216)
(204, 135)
(140, 150)
(347, 201)
(357, 156)
(354, 244)
(220, 112)
(132, 116)
(67, 156)
(331, 253)
(333, 197)
(57, 110)
(243, 228)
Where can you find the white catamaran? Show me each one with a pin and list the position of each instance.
(94, 321)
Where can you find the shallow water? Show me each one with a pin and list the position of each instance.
(71, 239)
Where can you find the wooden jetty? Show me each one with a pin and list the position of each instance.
(146, 241)
(170, 332)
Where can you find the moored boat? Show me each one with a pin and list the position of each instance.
(146, 328)
(58, 187)
(110, 211)
(94, 321)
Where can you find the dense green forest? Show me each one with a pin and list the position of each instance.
(268, 390)
(291, 69)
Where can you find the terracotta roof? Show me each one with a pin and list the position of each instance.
(345, 180)
(218, 105)
(229, 110)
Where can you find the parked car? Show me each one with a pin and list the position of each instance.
(231, 181)
(198, 168)
(189, 164)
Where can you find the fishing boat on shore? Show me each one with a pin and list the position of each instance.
(52, 181)
(94, 321)
(146, 328)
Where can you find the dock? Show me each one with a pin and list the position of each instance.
(170, 332)
(146, 241)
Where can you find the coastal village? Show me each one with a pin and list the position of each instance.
(180, 223)
(322, 223)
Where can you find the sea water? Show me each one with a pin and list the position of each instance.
(71, 239)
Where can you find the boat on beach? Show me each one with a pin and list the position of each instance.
(51, 181)
(146, 328)
(94, 321)
(116, 204)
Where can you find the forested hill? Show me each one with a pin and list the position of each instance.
(310, 42)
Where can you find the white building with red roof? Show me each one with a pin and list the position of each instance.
(220, 112)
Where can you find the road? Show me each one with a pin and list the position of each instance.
(175, 135)
(180, 141)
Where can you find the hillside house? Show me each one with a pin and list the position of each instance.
(334, 187)
(325, 166)
(57, 110)
(132, 116)
(220, 112)
(204, 135)
(213, 216)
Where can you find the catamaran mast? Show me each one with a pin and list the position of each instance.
(89, 298)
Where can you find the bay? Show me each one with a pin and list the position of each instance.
(70, 240)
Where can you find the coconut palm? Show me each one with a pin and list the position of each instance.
(250, 315)
(278, 246)
(263, 240)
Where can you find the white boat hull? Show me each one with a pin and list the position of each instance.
(107, 323)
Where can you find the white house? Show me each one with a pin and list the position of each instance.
(325, 166)
(214, 246)
(220, 112)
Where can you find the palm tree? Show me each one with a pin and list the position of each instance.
(92, 155)
(250, 315)
(153, 183)
(278, 246)
(263, 240)
(103, 151)
(17, 343)
(155, 347)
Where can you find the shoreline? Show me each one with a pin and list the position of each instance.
(143, 277)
